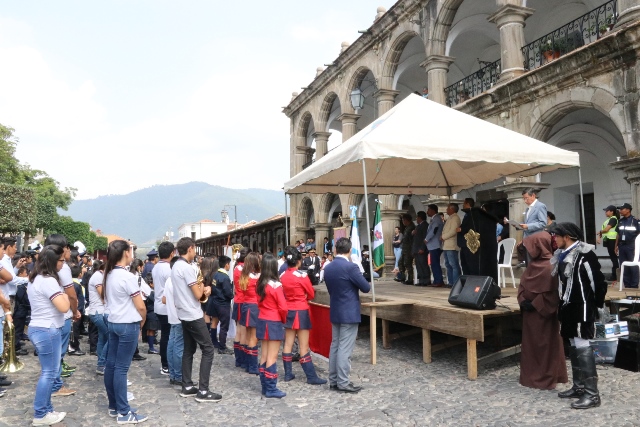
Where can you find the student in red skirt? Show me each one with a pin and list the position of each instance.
(298, 290)
(273, 313)
(247, 283)
(240, 341)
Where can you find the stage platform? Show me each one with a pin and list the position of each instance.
(428, 309)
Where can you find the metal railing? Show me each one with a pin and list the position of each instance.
(306, 165)
(474, 84)
(579, 32)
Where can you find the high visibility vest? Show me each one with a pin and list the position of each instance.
(612, 233)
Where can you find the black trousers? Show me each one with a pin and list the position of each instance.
(195, 334)
(165, 330)
(75, 337)
(93, 336)
(611, 248)
(422, 268)
(406, 265)
(224, 317)
(19, 324)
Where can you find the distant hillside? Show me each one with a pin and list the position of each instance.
(144, 215)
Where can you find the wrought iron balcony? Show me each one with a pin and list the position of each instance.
(306, 165)
(473, 85)
(577, 33)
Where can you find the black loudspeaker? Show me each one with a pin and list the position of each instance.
(476, 292)
(628, 354)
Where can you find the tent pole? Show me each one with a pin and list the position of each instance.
(286, 223)
(366, 206)
(584, 223)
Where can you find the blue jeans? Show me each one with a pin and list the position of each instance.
(65, 332)
(103, 338)
(436, 268)
(175, 349)
(453, 266)
(123, 339)
(397, 252)
(47, 342)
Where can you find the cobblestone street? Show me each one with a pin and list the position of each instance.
(399, 391)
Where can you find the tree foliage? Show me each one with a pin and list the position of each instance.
(9, 165)
(19, 208)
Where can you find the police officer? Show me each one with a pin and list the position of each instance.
(628, 229)
(608, 235)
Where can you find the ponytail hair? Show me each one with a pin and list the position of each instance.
(292, 255)
(251, 265)
(115, 252)
(269, 271)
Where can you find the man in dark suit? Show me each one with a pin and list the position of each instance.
(327, 246)
(419, 250)
(344, 280)
(311, 265)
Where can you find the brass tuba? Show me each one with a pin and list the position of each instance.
(11, 363)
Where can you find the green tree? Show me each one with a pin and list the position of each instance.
(19, 208)
(9, 165)
(73, 231)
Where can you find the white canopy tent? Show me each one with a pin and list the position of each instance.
(422, 147)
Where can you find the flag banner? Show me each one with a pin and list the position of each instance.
(378, 240)
(356, 256)
(338, 233)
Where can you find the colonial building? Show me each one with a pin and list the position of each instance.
(564, 72)
(202, 229)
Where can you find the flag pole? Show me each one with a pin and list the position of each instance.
(366, 206)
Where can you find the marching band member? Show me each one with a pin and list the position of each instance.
(247, 283)
(240, 341)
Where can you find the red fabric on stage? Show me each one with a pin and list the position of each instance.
(320, 334)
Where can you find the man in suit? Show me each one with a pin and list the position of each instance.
(344, 281)
(419, 250)
(311, 265)
(434, 233)
(327, 247)
(535, 217)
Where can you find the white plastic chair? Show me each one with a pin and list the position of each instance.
(634, 263)
(508, 245)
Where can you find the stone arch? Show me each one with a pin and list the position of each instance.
(354, 82)
(440, 33)
(305, 213)
(303, 125)
(393, 58)
(325, 111)
(323, 204)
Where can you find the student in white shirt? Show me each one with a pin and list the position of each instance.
(175, 346)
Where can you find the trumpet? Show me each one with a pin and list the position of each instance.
(11, 363)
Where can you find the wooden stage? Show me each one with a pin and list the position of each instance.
(428, 309)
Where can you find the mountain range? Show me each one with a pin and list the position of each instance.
(144, 216)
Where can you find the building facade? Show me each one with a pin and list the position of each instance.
(563, 72)
(202, 229)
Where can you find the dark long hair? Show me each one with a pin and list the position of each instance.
(47, 263)
(242, 254)
(209, 268)
(268, 271)
(115, 252)
(292, 255)
(251, 265)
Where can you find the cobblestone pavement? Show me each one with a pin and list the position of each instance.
(399, 391)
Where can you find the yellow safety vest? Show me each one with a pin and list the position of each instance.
(612, 233)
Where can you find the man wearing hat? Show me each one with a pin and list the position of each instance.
(311, 265)
(628, 230)
(608, 234)
(582, 292)
(152, 259)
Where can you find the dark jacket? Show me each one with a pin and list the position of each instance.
(312, 272)
(222, 292)
(22, 306)
(344, 281)
(80, 293)
(418, 238)
(407, 238)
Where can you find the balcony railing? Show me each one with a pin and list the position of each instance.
(579, 32)
(306, 165)
(473, 85)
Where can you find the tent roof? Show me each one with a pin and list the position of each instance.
(423, 147)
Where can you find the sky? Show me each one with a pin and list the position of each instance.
(113, 96)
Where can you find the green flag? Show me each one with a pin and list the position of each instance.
(378, 240)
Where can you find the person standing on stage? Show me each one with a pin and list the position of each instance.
(270, 326)
(608, 235)
(344, 281)
(187, 292)
(434, 244)
(240, 342)
(160, 273)
(247, 283)
(298, 291)
(419, 250)
(405, 275)
(583, 291)
(628, 230)
(449, 244)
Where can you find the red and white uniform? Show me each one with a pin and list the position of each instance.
(274, 306)
(297, 289)
(250, 296)
(238, 297)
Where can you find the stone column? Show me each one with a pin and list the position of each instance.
(322, 231)
(437, 67)
(441, 202)
(390, 217)
(517, 206)
(322, 138)
(631, 168)
(349, 122)
(386, 100)
(628, 11)
(510, 21)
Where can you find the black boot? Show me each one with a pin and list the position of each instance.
(591, 396)
(578, 386)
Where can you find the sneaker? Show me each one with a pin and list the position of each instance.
(77, 353)
(131, 418)
(188, 392)
(129, 383)
(164, 371)
(49, 419)
(114, 412)
(22, 352)
(225, 350)
(138, 357)
(100, 370)
(175, 382)
(66, 374)
(153, 351)
(2, 392)
(207, 396)
(63, 392)
(5, 383)
(67, 367)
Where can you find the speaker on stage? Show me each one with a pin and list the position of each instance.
(476, 292)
